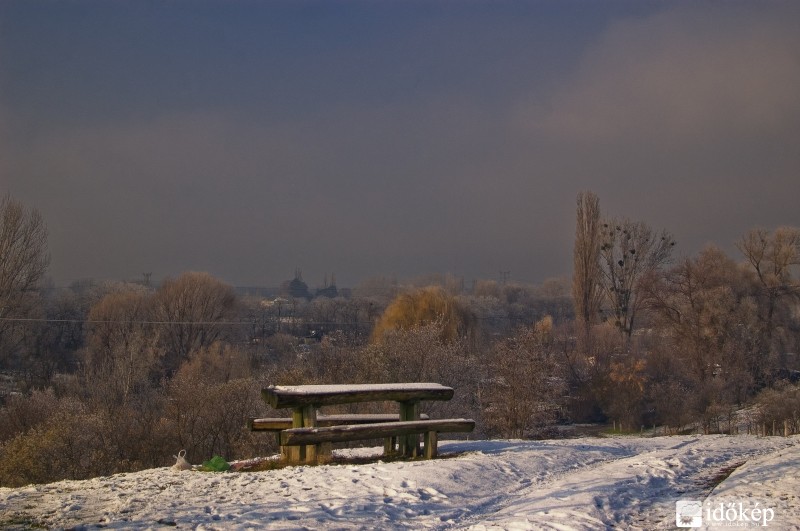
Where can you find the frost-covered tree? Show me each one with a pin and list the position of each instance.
(525, 383)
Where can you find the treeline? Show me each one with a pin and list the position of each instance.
(672, 341)
(104, 377)
(138, 374)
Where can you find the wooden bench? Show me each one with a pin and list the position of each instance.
(284, 423)
(388, 430)
(403, 429)
(277, 425)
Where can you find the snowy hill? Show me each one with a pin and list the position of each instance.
(589, 483)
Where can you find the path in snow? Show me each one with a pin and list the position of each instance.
(590, 483)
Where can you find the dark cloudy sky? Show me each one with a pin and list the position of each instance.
(367, 138)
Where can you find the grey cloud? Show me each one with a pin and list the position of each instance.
(683, 75)
(686, 119)
(424, 151)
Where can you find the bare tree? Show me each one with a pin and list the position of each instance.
(190, 310)
(587, 290)
(773, 258)
(525, 384)
(23, 263)
(707, 315)
(631, 252)
(120, 351)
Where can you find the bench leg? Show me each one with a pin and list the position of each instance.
(389, 446)
(431, 442)
(311, 454)
(324, 453)
(409, 444)
(286, 451)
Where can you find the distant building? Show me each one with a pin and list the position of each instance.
(329, 289)
(296, 288)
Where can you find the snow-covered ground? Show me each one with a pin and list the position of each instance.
(588, 483)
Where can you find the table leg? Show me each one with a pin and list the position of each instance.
(409, 444)
(304, 417)
(388, 446)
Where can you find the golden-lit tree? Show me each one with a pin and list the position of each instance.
(431, 305)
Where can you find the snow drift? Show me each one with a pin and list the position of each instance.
(587, 483)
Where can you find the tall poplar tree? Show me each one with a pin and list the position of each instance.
(587, 290)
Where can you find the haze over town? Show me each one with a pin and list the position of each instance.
(390, 138)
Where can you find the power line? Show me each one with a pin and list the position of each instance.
(209, 323)
(101, 321)
(294, 320)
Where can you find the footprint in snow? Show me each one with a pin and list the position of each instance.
(430, 494)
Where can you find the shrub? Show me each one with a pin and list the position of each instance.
(778, 405)
(524, 389)
(23, 413)
(208, 408)
(67, 447)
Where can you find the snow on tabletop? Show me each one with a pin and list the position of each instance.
(340, 388)
(578, 484)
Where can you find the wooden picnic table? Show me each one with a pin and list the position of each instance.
(305, 400)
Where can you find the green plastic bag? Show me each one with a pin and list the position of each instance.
(216, 464)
